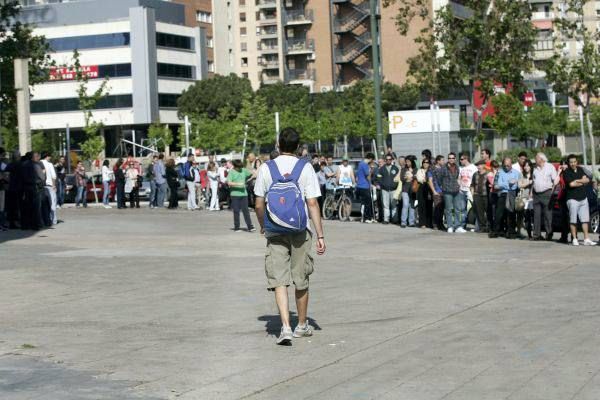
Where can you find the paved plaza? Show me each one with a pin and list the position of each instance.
(143, 304)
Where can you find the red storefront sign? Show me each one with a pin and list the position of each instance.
(70, 74)
(529, 99)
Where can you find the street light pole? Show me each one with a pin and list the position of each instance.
(376, 76)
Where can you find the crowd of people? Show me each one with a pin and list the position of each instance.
(507, 197)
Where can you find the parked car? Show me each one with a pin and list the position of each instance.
(145, 190)
(71, 189)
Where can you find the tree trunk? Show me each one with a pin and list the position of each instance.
(592, 142)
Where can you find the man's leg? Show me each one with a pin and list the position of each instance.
(547, 212)
(385, 200)
(500, 214)
(302, 305)
(235, 205)
(281, 298)
(460, 210)
(448, 205)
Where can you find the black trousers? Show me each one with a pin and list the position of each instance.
(438, 213)
(31, 209)
(501, 213)
(173, 200)
(134, 198)
(367, 202)
(13, 201)
(240, 204)
(481, 209)
(425, 206)
(46, 208)
(121, 194)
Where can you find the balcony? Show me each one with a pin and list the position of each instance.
(268, 79)
(300, 75)
(269, 64)
(269, 19)
(267, 34)
(268, 48)
(266, 3)
(542, 16)
(299, 17)
(300, 46)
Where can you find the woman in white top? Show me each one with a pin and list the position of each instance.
(345, 174)
(107, 177)
(213, 179)
(131, 185)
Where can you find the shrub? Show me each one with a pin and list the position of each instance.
(553, 153)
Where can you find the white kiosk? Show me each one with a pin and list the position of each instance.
(416, 130)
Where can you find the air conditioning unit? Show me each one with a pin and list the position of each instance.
(325, 89)
(311, 57)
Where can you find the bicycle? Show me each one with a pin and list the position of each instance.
(337, 202)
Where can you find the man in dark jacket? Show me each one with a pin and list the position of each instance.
(450, 188)
(385, 181)
(34, 178)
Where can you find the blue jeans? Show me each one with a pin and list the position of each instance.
(462, 207)
(152, 198)
(161, 192)
(453, 209)
(81, 196)
(106, 194)
(408, 211)
(60, 192)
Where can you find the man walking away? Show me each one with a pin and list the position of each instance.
(479, 190)
(576, 186)
(160, 175)
(544, 179)
(385, 180)
(50, 187)
(507, 184)
(363, 186)
(288, 258)
(451, 191)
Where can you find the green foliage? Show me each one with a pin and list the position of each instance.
(161, 133)
(45, 142)
(553, 153)
(17, 41)
(509, 115)
(257, 120)
(542, 121)
(491, 44)
(398, 98)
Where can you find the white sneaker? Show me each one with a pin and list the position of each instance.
(303, 330)
(460, 229)
(450, 230)
(588, 242)
(575, 242)
(285, 337)
(107, 206)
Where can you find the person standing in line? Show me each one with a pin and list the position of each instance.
(576, 186)
(507, 184)
(479, 191)
(407, 175)
(236, 180)
(385, 180)
(81, 185)
(132, 185)
(150, 178)
(173, 182)
(107, 177)
(363, 187)
(288, 260)
(198, 185)
(213, 178)
(525, 216)
(61, 174)
(545, 178)
(4, 179)
(160, 176)
(120, 183)
(492, 194)
(451, 190)
(436, 189)
(465, 178)
(205, 186)
(223, 170)
(253, 164)
(50, 188)
(424, 195)
(522, 158)
(188, 175)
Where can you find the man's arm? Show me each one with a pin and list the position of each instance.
(259, 209)
(315, 216)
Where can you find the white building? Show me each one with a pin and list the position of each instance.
(144, 48)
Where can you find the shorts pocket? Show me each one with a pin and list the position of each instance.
(309, 265)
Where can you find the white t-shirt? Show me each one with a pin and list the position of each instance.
(517, 166)
(221, 171)
(465, 176)
(106, 174)
(308, 182)
(345, 175)
(50, 173)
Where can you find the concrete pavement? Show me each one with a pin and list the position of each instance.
(160, 304)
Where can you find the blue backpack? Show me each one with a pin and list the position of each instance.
(286, 212)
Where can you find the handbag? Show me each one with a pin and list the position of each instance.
(415, 186)
(520, 203)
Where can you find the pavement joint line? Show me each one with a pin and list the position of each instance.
(587, 382)
(471, 379)
(416, 329)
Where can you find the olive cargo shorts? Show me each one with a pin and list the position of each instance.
(288, 260)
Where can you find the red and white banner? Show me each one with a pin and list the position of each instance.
(70, 74)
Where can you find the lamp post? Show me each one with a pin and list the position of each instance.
(376, 76)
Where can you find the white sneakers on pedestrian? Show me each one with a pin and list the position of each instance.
(303, 330)
(460, 229)
(285, 337)
(107, 206)
(450, 230)
(575, 242)
(588, 242)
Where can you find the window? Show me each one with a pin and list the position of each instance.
(72, 104)
(230, 58)
(174, 41)
(243, 31)
(242, 17)
(245, 62)
(209, 42)
(89, 42)
(204, 16)
(229, 34)
(242, 2)
(211, 66)
(244, 46)
(114, 70)
(245, 75)
(167, 100)
(175, 71)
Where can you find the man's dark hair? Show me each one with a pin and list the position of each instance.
(487, 151)
(571, 156)
(438, 158)
(161, 156)
(45, 154)
(426, 153)
(274, 154)
(523, 154)
(289, 140)
(452, 154)
(467, 156)
(370, 156)
(237, 164)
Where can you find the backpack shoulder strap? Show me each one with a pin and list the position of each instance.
(275, 174)
(297, 171)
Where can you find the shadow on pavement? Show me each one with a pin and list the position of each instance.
(273, 323)
(16, 234)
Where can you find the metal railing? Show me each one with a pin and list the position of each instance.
(266, 3)
(299, 16)
(295, 45)
(301, 75)
(269, 63)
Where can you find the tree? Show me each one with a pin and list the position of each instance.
(576, 76)
(94, 143)
(541, 121)
(397, 98)
(509, 116)
(255, 118)
(17, 41)
(161, 135)
(490, 44)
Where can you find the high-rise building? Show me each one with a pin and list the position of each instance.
(143, 46)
